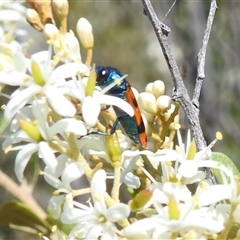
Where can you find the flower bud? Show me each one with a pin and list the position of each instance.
(158, 88)
(61, 8)
(164, 103)
(175, 124)
(149, 117)
(50, 32)
(31, 130)
(44, 10)
(84, 30)
(149, 87)
(149, 129)
(113, 148)
(34, 19)
(141, 199)
(169, 112)
(147, 102)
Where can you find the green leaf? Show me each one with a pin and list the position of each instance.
(227, 162)
(17, 215)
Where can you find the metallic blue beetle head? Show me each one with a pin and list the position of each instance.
(106, 75)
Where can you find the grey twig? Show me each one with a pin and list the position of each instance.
(202, 55)
(180, 93)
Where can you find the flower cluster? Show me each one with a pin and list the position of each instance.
(54, 113)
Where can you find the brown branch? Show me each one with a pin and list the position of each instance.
(180, 93)
(202, 55)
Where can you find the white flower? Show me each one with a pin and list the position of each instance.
(45, 83)
(11, 11)
(94, 145)
(187, 161)
(91, 105)
(67, 48)
(11, 57)
(12, 14)
(98, 220)
(44, 134)
(68, 174)
(177, 218)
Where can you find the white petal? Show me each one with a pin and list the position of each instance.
(60, 103)
(55, 203)
(131, 180)
(13, 78)
(19, 62)
(40, 57)
(51, 179)
(188, 169)
(118, 212)
(98, 189)
(9, 15)
(70, 125)
(62, 161)
(69, 70)
(90, 111)
(199, 176)
(19, 101)
(94, 232)
(101, 154)
(73, 48)
(139, 229)
(16, 138)
(204, 223)
(109, 233)
(214, 194)
(23, 158)
(98, 184)
(72, 172)
(115, 101)
(25, 111)
(180, 192)
(75, 88)
(47, 155)
(40, 110)
(74, 215)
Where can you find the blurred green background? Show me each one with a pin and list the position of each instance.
(124, 39)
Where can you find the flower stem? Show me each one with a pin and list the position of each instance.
(89, 56)
(60, 149)
(81, 191)
(116, 182)
(22, 194)
(74, 148)
(63, 25)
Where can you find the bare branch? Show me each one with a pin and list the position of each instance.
(180, 93)
(202, 54)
